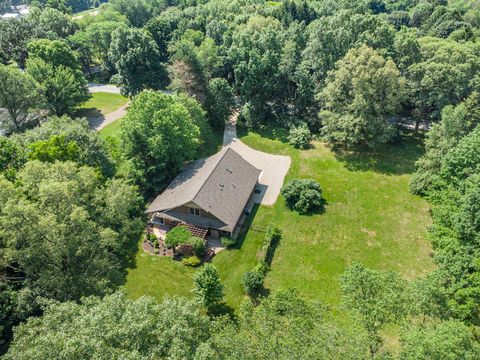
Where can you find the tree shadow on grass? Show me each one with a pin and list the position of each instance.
(393, 159)
(93, 115)
(128, 261)
(269, 132)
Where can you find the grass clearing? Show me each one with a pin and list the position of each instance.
(112, 130)
(101, 103)
(370, 216)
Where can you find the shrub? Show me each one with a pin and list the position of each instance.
(252, 282)
(177, 236)
(151, 238)
(302, 194)
(198, 245)
(192, 261)
(228, 242)
(299, 136)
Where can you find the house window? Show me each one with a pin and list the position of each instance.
(195, 211)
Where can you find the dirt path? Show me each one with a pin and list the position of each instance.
(274, 167)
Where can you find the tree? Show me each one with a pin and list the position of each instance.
(302, 195)
(158, 135)
(12, 157)
(220, 102)
(252, 282)
(74, 218)
(115, 325)
(456, 122)
(285, 326)
(56, 68)
(138, 12)
(57, 148)
(360, 97)
(444, 76)
(207, 286)
(299, 136)
(91, 150)
(197, 114)
(255, 55)
(377, 298)
(137, 60)
(20, 96)
(177, 236)
(162, 29)
(445, 340)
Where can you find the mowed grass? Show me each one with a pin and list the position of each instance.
(370, 217)
(112, 130)
(101, 104)
(158, 277)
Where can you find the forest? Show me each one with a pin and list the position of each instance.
(338, 76)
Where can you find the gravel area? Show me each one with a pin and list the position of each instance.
(274, 167)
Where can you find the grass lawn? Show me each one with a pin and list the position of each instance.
(158, 277)
(101, 104)
(112, 130)
(370, 217)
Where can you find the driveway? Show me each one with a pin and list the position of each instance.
(274, 167)
(107, 88)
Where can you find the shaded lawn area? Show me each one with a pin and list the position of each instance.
(370, 216)
(101, 104)
(112, 130)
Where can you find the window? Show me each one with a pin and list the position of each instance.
(195, 211)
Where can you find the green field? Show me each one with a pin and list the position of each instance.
(101, 104)
(370, 217)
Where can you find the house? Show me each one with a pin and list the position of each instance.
(212, 194)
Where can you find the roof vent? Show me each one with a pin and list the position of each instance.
(229, 170)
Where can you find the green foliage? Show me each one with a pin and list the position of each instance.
(12, 157)
(74, 218)
(302, 195)
(285, 324)
(192, 261)
(198, 245)
(252, 282)
(377, 298)
(115, 325)
(299, 136)
(56, 68)
(20, 96)
(456, 122)
(228, 242)
(138, 12)
(90, 151)
(445, 340)
(57, 148)
(208, 287)
(360, 98)
(162, 29)
(220, 102)
(158, 135)
(177, 236)
(137, 60)
(444, 76)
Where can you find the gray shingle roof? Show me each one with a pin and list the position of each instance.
(220, 185)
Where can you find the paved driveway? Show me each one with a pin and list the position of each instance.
(274, 167)
(107, 88)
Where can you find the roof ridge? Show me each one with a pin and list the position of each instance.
(211, 172)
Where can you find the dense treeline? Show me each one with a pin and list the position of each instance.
(356, 73)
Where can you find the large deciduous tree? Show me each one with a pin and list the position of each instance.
(360, 98)
(20, 96)
(56, 68)
(158, 136)
(137, 60)
(208, 287)
(113, 327)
